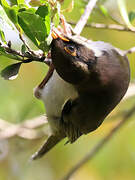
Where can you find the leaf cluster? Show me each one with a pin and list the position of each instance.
(34, 20)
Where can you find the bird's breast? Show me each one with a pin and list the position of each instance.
(55, 93)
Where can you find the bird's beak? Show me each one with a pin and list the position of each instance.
(54, 35)
(57, 34)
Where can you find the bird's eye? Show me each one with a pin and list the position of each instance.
(70, 49)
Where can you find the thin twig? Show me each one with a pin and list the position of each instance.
(106, 26)
(29, 49)
(35, 122)
(24, 57)
(25, 130)
(130, 51)
(111, 27)
(12, 51)
(101, 144)
(83, 20)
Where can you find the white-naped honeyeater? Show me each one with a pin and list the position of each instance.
(89, 80)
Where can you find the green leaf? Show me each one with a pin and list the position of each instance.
(20, 2)
(131, 16)
(10, 11)
(13, 2)
(2, 36)
(2, 50)
(36, 25)
(44, 46)
(5, 19)
(23, 49)
(11, 56)
(11, 71)
(25, 8)
(32, 25)
(124, 13)
(44, 12)
(35, 3)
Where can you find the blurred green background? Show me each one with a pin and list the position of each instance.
(116, 161)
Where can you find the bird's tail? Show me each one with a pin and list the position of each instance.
(48, 145)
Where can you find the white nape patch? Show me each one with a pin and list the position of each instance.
(13, 77)
(55, 93)
(96, 46)
(87, 43)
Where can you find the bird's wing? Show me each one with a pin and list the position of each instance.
(71, 131)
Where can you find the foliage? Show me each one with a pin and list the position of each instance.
(35, 23)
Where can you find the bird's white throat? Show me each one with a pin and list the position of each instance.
(55, 93)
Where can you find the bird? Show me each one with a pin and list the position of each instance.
(88, 80)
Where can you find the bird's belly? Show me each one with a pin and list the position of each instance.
(55, 93)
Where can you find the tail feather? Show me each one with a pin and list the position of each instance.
(47, 146)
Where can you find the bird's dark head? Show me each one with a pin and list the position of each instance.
(72, 60)
(89, 65)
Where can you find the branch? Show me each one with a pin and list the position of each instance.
(24, 130)
(111, 27)
(29, 49)
(12, 51)
(83, 20)
(101, 144)
(27, 56)
(130, 51)
(106, 26)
